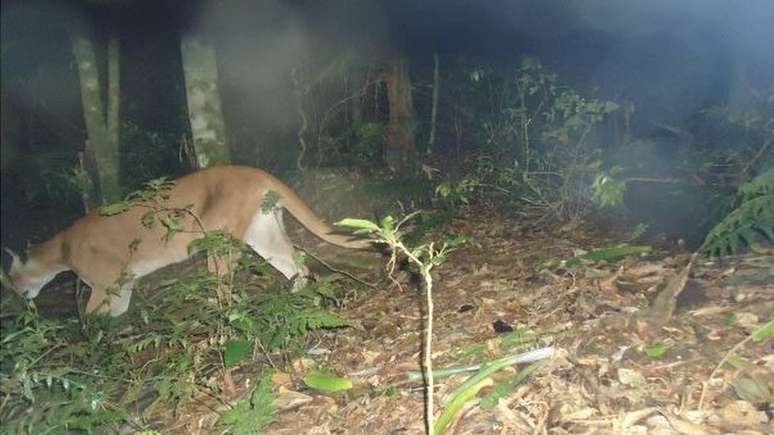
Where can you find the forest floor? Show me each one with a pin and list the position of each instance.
(638, 343)
(653, 344)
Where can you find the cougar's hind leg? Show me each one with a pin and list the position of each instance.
(120, 299)
(267, 237)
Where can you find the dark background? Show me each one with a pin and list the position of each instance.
(668, 58)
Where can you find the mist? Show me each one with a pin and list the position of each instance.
(665, 60)
(218, 216)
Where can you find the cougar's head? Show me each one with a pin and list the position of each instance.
(26, 277)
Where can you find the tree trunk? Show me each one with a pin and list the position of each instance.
(434, 113)
(204, 108)
(300, 89)
(10, 125)
(400, 136)
(741, 98)
(102, 127)
(356, 105)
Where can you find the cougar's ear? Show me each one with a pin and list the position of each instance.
(15, 260)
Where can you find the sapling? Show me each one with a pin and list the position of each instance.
(424, 257)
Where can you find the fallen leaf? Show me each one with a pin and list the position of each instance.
(683, 426)
(631, 418)
(287, 399)
(741, 413)
(280, 378)
(630, 377)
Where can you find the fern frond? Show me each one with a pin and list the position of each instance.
(761, 185)
(754, 218)
(308, 320)
(281, 317)
(253, 413)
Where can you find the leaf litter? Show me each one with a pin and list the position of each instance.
(636, 340)
(638, 344)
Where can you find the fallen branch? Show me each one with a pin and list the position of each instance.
(333, 269)
(664, 306)
(759, 334)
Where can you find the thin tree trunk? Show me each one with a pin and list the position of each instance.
(86, 182)
(10, 127)
(102, 128)
(434, 113)
(113, 92)
(740, 94)
(400, 135)
(356, 106)
(300, 89)
(205, 114)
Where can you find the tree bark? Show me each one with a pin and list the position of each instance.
(10, 123)
(300, 89)
(741, 98)
(102, 127)
(356, 105)
(400, 135)
(204, 106)
(434, 112)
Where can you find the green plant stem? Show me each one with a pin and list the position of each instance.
(428, 355)
(428, 346)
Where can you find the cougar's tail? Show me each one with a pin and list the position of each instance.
(296, 206)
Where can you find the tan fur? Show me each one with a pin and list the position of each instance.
(97, 247)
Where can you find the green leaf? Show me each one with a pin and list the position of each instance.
(608, 254)
(172, 224)
(161, 183)
(326, 382)
(456, 241)
(752, 219)
(236, 351)
(362, 224)
(610, 106)
(506, 386)
(114, 209)
(269, 201)
(148, 219)
(241, 322)
(764, 332)
(388, 223)
(737, 362)
(250, 415)
(456, 404)
(753, 388)
(655, 350)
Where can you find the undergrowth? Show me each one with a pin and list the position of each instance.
(59, 375)
(251, 414)
(178, 343)
(751, 220)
